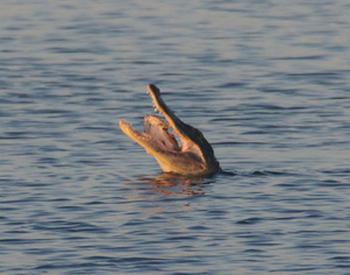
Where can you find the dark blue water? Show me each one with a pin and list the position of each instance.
(267, 82)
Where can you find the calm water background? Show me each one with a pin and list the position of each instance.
(266, 81)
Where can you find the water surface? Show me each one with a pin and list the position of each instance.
(267, 82)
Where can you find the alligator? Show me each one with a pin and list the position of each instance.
(177, 147)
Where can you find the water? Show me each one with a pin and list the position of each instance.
(266, 81)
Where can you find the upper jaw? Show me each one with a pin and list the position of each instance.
(181, 129)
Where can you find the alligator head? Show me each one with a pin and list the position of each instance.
(177, 147)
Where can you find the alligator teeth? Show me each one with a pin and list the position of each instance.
(156, 109)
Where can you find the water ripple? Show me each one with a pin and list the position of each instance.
(268, 86)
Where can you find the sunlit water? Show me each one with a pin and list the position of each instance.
(267, 82)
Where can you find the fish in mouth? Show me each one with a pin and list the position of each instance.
(177, 147)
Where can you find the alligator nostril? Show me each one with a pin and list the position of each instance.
(153, 88)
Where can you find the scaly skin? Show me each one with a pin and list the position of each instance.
(195, 156)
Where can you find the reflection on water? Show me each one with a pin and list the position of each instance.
(174, 185)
